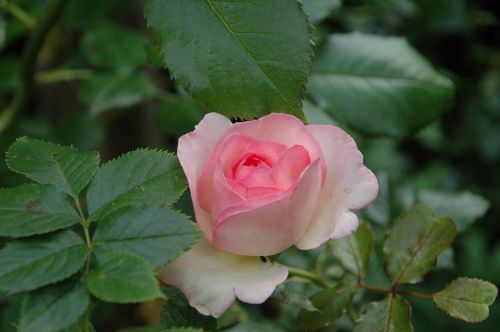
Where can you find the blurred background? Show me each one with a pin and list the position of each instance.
(100, 84)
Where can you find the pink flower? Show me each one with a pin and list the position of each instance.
(259, 187)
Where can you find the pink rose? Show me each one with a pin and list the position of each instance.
(259, 187)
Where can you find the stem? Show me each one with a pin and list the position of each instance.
(375, 289)
(53, 76)
(33, 46)
(18, 13)
(84, 321)
(352, 314)
(394, 291)
(313, 277)
(320, 262)
(416, 294)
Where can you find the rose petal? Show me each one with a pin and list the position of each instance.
(256, 229)
(212, 279)
(349, 185)
(229, 150)
(289, 167)
(193, 151)
(273, 128)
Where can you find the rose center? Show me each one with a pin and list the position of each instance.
(254, 161)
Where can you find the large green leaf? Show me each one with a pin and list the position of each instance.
(331, 304)
(393, 314)
(243, 59)
(464, 207)
(54, 308)
(467, 299)
(253, 326)
(112, 46)
(34, 209)
(378, 85)
(122, 278)
(49, 163)
(178, 313)
(414, 242)
(29, 264)
(108, 92)
(354, 251)
(141, 177)
(156, 234)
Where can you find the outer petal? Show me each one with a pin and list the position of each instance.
(254, 229)
(349, 185)
(212, 279)
(193, 150)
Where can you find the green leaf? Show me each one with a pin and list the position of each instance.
(178, 116)
(297, 300)
(354, 251)
(49, 163)
(243, 59)
(392, 314)
(33, 263)
(413, 243)
(108, 92)
(316, 115)
(54, 308)
(378, 85)
(464, 207)
(156, 234)
(318, 10)
(178, 313)
(34, 209)
(467, 299)
(122, 278)
(138, 178)
(331, 304)
(112, 46)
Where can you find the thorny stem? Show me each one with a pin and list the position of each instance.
(324, 283)
(36, 39)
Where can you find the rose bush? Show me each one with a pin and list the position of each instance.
(259, 187)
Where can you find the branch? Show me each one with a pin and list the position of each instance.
(33, 46)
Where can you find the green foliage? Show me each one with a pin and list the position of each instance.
(242, 59)
(467, 299)
(2, 32)
(331, 304)
(48, 163)
(178, 313)
(378, 85)
(108, 92)
(54, 308)
(122, 278)
(179, 115)
(32, 263)
(464, 207)
(34, 209)
(393, 314)
(111, 46)
(317, 10)
(414, 243)
(354, 251)
(251, 326)
(141, 177)
(156, 234)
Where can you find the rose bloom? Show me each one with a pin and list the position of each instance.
(259, 187)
